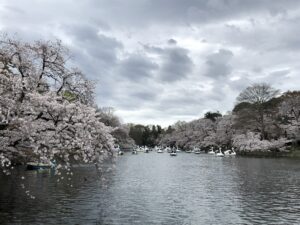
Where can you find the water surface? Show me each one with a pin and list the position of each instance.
(158, 189)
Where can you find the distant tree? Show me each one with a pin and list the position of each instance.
(291, 104)
(122, 138)
(159, 129)
(225, 131)
(146, 136)
(255, 104)
(107, 116)
(136, 133)
(179, 125)
(289, 112)
(154, 132)
(257, 94)
(212, 115)
(169, 130)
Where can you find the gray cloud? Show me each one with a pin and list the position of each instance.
(94, 52)
(218, 64)
(153, 49)
(172, 41)
(278, 77)
(239, 84)
(102, 48)
(168, 60)
(137, 67)
(176, 65)
(144, 95)
(280, 73)
(181, 13)
(82, 32)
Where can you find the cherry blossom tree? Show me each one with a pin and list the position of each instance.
(199, 133)
(47, 108)
(225, 131)
(289, 112)
(251, 142)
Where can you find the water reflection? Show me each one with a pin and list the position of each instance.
(159, 189)
(271, 189)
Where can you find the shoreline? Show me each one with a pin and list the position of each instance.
(293, 153)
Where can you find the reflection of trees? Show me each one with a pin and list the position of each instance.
(53, 200)
(267, 189)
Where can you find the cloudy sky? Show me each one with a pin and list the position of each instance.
(160, 61)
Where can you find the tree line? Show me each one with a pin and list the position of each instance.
(262, 120)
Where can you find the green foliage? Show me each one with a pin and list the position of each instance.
(257, 111)
(241, 106)
(143, 135)
(154, 132)
(169, 130)
(159, 130)
(212, 115)
(272, 104)
(69, 96)
(136, 133)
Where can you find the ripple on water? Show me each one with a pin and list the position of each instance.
(159, 189)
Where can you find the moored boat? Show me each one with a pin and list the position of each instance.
(139, 149)
(134, 152)
(39, 166)
(230, 152)
(219, 153)
(211, 152)
(168, 149)
(173, 153)
(197, 150)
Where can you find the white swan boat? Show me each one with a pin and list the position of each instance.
(173, 153)
(219, 153)
(197, 150)
(211, 152)
(168, 149)
(230, 152)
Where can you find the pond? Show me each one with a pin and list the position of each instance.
(158, 189)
